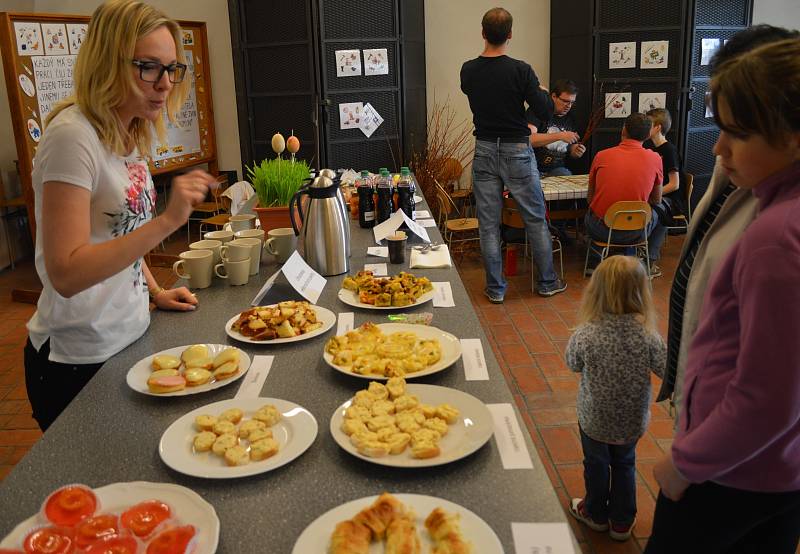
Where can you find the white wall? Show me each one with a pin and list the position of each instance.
(213, 12)
(453, 36)
(781, 13)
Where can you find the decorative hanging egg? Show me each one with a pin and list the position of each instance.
(278, 143)
(293, 144)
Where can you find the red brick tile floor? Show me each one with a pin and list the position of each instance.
(527, 333)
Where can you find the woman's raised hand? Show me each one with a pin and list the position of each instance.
(188, 190)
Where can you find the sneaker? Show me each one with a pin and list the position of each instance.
(620, 532)
(655, 271)
(578, 510)
(493, 298)
(555, 288)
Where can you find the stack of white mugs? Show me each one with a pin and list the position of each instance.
(234, 253)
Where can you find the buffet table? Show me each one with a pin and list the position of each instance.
(111, 434)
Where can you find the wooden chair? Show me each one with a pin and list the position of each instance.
(512, 218)
(684, 219)
(208, 209)
(453, 228)
(17, 204)
(219, 220)
(623, 216)
(450, 174)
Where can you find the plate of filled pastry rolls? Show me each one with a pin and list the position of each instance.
(398, 523)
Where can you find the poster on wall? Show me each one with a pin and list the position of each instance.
(29, 38)
(621, 55)
(348, 63)
(55, 39)
(371, 120)
(76, 33)
(618, 104)
(376, 62)
(53, 76)
(654, 54)
(350, 115)
(708, 47)
(652, 100)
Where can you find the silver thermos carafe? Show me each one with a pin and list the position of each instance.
(324, 228)
(331, 174)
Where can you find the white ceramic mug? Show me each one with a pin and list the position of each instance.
(281, 243)
(199, 267)
(237, 273)
(240, 223)
(251, 234)
(255, 253)
(235, 251)
(222, 236)
(208, 244)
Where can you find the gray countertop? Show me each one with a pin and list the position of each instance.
(110, 433)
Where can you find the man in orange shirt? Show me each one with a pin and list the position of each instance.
(627, 172)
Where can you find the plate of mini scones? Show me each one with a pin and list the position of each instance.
(190, 369)
(400, 425)
(237, 437)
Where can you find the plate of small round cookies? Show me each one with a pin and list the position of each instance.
(237, 438)
(190, 369)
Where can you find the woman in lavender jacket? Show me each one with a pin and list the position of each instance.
(731, 482)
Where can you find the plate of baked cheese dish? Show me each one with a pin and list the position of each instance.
(120, 517)
(403, 290)
(189, 369)
(237, 438)
(384, 350)
(398, 523)
(406, 425)
(289, 321)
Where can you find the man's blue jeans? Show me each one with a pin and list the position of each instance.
(558, 172)
(610, 495)
(513, 165)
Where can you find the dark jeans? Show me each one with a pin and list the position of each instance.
(714, 519)
(51, 386)
(609, 471)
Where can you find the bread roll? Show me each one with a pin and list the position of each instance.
(351, 426)
(166, 380)
(234, 415)
(166, 362)
(204, 441)
(224, 442)
(223, 427)
(448, 413)
(378, 390)
(382, 407)
(249, 426)
(263, 449)
(357, 412)
(350, 537)
(194, 352)
(269, 414)
(436, 424)
(236, 456)
(200, 363)
(373, 448)
(396, 387)
(424, 450)
(205, 422)
(259, 434)
(398, 443)
(226, 370)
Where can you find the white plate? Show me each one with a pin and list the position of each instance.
(472, 430)
(295, 432)
(188, 507)
(140, 372)
(316, 537)
(451, 350)
(327, 317)
(350, 298)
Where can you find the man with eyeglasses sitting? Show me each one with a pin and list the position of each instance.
(556, 139)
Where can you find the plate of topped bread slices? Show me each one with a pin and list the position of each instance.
(289, 321)
(190, 369)
(364, 290)
(400, 425)
(398, 523)
(237, 437)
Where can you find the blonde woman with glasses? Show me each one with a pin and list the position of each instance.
(94, 199)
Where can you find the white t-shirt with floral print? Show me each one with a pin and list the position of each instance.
(100, 321)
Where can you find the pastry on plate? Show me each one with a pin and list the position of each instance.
(263, 449)
(224, 442)
(196, 376)
(249, 426)
(350, 537)
(226, 370)
(165, 361)
(204, 441)
(227, 355)
(234, 415)
(194, 353)
(237, 456)
(205, 422)
(166, 380)
(269, 414)
(259, 434)
(402, 538)
(224, 427)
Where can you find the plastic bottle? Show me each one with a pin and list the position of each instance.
(405, 193)
(366, 201)
(385, 206)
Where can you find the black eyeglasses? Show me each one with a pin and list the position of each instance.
(567, 102)
(151, 72)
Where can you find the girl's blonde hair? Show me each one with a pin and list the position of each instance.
(619, 285)
(103, 78)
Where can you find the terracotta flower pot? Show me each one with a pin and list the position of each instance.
(273, 218)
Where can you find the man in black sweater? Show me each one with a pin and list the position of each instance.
(497, 87)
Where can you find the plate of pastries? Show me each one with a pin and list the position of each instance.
(364, 290)
(237, 438)
(125, 518)
(405, 425)
(407, 523)
(189, 369)
(384, 350)
(289, 321)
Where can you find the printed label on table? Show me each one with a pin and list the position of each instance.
(510, 440)
(345, 323)
(388, 227)
(474, 361)
(305, 280)
(253, 382)
(542, 538)
(443, 295)
(427, 222)
(421, 214)
(415, 227)
(265, 289)
(379, 251)
(378, 270)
